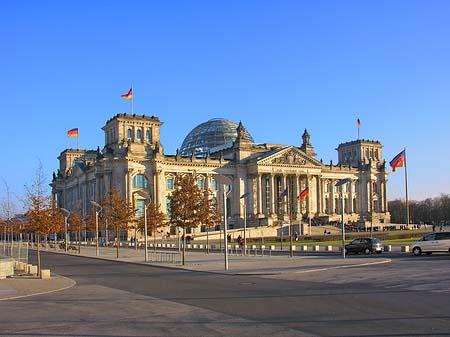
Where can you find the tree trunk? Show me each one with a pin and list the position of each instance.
(38, 258)
(118, 242)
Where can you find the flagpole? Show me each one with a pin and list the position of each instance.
(291, 250)
(78, 141)
(309, 202)
(132, 98)
(406, 190)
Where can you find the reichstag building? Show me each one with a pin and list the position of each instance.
(133, 161)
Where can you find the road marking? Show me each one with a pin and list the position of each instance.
(41, 293)
(341, 267)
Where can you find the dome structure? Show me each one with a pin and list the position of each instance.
(211, 136)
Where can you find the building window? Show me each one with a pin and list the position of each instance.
(200, 184)
(148, 135)
(214, 185)
(138, 134)
(169, 183)
(129, 134)
(140, 181)
(140, 206)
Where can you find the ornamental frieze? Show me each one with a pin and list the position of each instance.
(290, 158)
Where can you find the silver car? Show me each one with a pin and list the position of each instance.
(433, 242)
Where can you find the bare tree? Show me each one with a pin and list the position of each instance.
(39, 211)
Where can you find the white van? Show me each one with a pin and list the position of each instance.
(434, 242)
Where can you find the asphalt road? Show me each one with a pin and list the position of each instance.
(408, 297)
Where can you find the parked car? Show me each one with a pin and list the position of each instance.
(433, 242)
(364, 245)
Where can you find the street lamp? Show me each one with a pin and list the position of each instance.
(244, 196)
(66, 214)
(226, 182)
(97, 212)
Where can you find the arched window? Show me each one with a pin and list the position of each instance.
(138, 134)
(140, 181)
(129, 133)
(148, 135)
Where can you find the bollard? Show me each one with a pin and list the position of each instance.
(329, 248)
(316, 248)
(405, 249)
(45, 273)
(305, 248)
(32, 270)
(387, 248)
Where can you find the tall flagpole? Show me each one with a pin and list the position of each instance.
(132, 98)
(291, 249)
(406, 190)
(309, 203)
(78, 140)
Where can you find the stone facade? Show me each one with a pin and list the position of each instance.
(133, 161)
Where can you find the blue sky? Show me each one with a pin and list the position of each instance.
(278, 66)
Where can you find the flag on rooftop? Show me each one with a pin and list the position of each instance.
(72, 133)
(398, 161)
(359, 123)
(128, 95)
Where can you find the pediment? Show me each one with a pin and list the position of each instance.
(289, 156)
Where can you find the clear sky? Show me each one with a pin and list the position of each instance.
(278, 66)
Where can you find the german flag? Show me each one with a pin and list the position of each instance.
(72, 133)
(398, 161)
(128, 95)
(303, 194)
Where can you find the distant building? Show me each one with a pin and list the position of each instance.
(133, 161)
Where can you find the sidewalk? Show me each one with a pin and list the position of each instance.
(195, 261)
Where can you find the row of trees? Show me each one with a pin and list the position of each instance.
(429, 211)
(189, 208)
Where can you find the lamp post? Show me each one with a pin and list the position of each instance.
(226, 182)
(97, 212)
(244, 196)
(66, 215)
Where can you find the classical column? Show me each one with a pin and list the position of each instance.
(385, 202)
(350, 197)
(156, 186)
(272, 194)
(319, 194)
(128, 184)
(259, 193)
(332, 204)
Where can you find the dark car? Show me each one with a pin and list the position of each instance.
(364, 245)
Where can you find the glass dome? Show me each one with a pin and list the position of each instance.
(211, 136)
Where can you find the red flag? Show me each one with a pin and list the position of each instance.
(359, 123)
